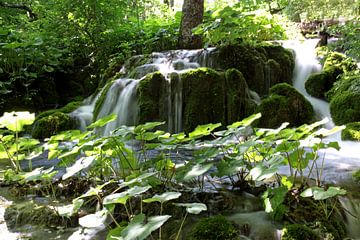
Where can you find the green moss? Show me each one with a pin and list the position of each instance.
(298, 232)
(351, 132)
(285, 104)
(152, 98)
(318, 84)
(52, 124)
(347, 83)
(68, 108)
(214, 228)
(345, 107)
(203, 97)
(238, 103)
(101, 100)
(30, 213)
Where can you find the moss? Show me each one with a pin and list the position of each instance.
(213, 228)
(238, 103)
(52, 124)
(285, 104)
(68, 108)
(151, 98)
(345, 107)
(347, 83)
(298, 232)
(203, 97)
(351, 132)
(30, 213)
(318, 84)
(101, 100)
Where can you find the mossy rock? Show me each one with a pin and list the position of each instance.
(356, 176)
(152, 101)
(318, 84)
(332, 229)
(52, 124)
(238, 100)
(298, 232)
(351, 132)
(100, 101)
(347, 83)
(68, 108)
(25, 213)
(203, 97)
(213, 228)
(345, 107)
(255, 65)
(284, 104)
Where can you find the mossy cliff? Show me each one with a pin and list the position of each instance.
(284, 104)
(207, 96)
(262, 66)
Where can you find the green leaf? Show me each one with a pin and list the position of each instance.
(166, 196)
(327, 132)
(103, 121)
(71, 209)
(39, 174)
(15, 121)
(321, 194)
(193, 208)
(79, 165)
(147, 126)
(124, 196)
(203, 130)
(197, 170)
(139, 229)
(245, 122)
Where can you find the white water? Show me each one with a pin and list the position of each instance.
(338, 165)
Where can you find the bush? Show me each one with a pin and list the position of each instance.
(214, 228)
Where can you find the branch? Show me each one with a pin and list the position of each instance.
(29, 11)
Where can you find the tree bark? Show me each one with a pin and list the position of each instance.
(29, 11)
(192, 16)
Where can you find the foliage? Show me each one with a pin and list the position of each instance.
(298, 232)
(351, 132)
(237, 24)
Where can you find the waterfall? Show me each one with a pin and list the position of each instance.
(121, 96)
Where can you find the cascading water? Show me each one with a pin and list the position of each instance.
(338, 165)
(121, 96)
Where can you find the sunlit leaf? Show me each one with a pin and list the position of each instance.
(319, 193)
(193, 208)
(203, 130)
(197, 170)
(164, 197)
(15, 121)
(96, 220)
(245, 122)
(103, 121)
(79, 165)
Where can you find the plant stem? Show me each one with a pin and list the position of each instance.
(181, 226)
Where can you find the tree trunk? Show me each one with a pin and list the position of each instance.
(192, 16)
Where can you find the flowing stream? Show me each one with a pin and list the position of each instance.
(338, 165)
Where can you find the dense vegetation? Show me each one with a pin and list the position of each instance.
(142, 181)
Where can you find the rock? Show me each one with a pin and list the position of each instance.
(25, 213)
(344, 100)
(284, 104)
(213, 228)
(50, 125)
(318, 84)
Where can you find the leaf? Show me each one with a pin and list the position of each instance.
(245, 122)
(321, 194)
(124, 196)
(96, 220)
(103, 121)
(164, 197)
(327, 132)
(39, 174)
(147, 126)
(71, 209)
(139, 230)
(203, 130)
(138, 179)
(79, 165)
(193, 208)
(15, 121)
(197, 170)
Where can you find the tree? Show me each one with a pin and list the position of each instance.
(192, 16)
